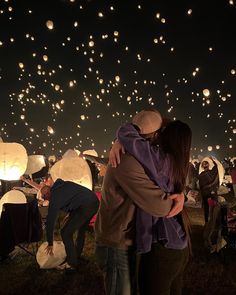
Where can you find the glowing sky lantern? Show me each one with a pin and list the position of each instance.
(21, 65)
(234, 130)
(13, 161)
(72, 168)
(91, 43)
(209, 148)
(117, 78)
(50, 130)
(233, 71)
(50, 24)
(190, 11)
(206, 92)
(57, 87)
(45, 57)
(217, 147)
(35, 164)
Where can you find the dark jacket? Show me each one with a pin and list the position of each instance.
(124, 188)
(67, 196)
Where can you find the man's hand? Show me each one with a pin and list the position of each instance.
(49, 250)
(178, 204)
(114, 154)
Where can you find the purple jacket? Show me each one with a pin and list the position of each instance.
(156, 164)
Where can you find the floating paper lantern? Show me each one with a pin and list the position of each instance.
(206, 92)
(35, 164)
(13, 161)
(46, 261)
(234, 130)
(72, 168)
(50, 130)
(210, 148)
(117, 78)
(50, 24)
(91, 43)
(45, 58)
(21, 65)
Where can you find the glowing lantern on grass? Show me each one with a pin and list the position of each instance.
(13, 161)
(72, 168)
(35, 164)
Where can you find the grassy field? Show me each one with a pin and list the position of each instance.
(205, 274)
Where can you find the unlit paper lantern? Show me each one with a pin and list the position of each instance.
(73, 169)
(12, 197)
(35, 164)
(90, 153)
(46, 261)
(13, 161)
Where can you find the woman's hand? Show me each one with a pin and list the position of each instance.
(178, 204)
(114, 154)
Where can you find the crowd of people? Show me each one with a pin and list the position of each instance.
(142, 228)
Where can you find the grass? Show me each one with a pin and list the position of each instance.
(206, 273)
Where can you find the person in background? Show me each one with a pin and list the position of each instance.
(208, 183)
(80, 204)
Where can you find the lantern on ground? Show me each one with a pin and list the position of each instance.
(46, 261)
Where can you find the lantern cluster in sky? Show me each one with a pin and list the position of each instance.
(71, 74)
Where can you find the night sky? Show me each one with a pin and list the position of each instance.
(72, 72)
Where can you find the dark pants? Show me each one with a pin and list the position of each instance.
(161, 271)
(77, 221)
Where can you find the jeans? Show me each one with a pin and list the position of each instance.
(119, 269)
(77, 221)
